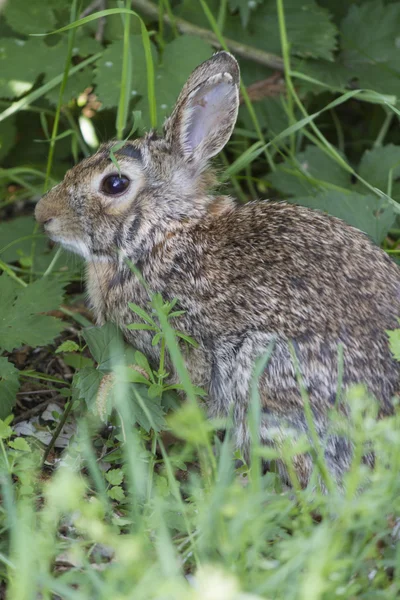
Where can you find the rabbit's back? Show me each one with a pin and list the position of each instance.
(285, 267)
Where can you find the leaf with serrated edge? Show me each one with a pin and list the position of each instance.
(115, 476)
(310, 29)
(309, 172)
(394, 343)
(107, 346)
(28, 17)
(370, 214)
(20, 321)
(108, 71)
(9, 385)
(116, 493)
(153, 406)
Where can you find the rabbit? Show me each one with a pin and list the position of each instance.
(251, 277)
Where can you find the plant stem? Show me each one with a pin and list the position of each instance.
(162, 360)
(286, 61)
(71, 38)
(11, 273)
(55, 258)
(383, 130)
(124, 93)
(3, 450)
(57, 432)
(243, 90)
(170, 15)
(223, 4)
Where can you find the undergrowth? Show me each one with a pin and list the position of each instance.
(149, 499)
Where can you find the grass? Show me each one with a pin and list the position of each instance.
(148, 519)
(230, 531)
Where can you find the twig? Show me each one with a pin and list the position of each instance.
(32, 412)
(94, 6)
(57, 432)
(259, 56)
(35, 392)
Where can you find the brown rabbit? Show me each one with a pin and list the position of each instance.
(244, 275)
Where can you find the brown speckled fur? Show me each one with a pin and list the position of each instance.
(244, 275)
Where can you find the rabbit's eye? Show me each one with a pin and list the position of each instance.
(115, 184)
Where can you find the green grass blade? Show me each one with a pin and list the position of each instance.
(126, 77)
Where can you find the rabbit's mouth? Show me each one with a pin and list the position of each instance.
(79, 247)
(76, 246)
(73, 245)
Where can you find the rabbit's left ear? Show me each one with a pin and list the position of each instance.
(206, 110)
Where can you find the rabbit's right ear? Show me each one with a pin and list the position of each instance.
(206, 110)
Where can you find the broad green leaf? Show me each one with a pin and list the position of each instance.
(87, 381)
(108, 72)
(338, 8)
(77, 361)
(96, 388)
(22, 61)
(155, 390)
(333, 75)
(16, 240)
(75, 86)
(369, 57)
(271, 114)
(107, 346)
(308, 173)
(369, 33)
(9, 384)
(369, 39)
(83, 47)
(153, 406)
(20, 308)
(372, 215)
(129, 374)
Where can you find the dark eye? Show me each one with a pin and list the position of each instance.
(114, 184)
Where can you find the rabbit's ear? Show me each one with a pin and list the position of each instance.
(206, 110)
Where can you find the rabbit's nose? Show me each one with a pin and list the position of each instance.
(42, 213)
